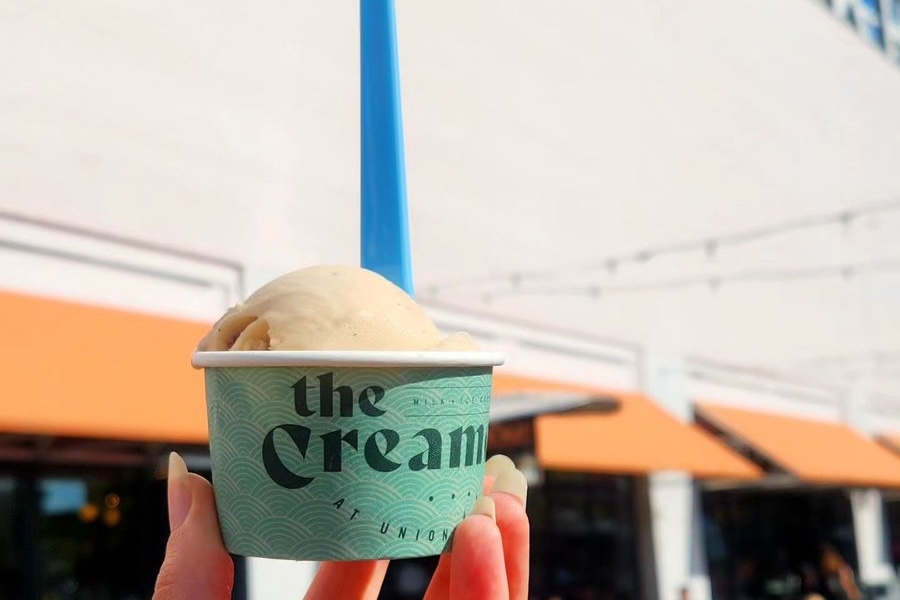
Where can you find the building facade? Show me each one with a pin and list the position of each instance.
(692, 477)
(158, 163)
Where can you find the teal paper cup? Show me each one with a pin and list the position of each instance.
(346, 455)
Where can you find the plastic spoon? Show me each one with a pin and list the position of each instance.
(384, 219)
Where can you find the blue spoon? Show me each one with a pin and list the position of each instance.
(384, 219)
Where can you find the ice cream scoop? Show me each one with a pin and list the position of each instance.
(330, 308)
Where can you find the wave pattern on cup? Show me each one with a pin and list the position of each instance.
(346, 463)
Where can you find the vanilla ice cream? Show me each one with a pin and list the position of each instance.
(330, 308)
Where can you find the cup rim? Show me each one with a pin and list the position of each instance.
(344, 358)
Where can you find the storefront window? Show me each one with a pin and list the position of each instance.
(407, 579)
(11, 567)
(90, 532)
(766, 545)
(892, 513)
(584, 541)
(99, 536)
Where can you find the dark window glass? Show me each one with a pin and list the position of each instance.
(12, 581)
(95, 533)
(100, 535)
(584, 537)
(892, 513)
(767, 544)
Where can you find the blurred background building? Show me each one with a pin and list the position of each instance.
(680, 222)
(876, 21)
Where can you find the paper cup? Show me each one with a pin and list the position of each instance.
(346, 455)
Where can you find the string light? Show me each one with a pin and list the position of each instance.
(839, 360)
(706, 245)
(714, 283)
(612, 265)
(847, 220)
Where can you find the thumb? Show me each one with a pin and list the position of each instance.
(196, 563)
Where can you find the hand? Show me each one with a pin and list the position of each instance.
(488, 561)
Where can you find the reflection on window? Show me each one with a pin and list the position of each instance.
(62, 496)
(83, 534)
(98, 536)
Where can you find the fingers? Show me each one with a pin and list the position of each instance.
(353, 580)
(509, 489)
(439, 588)
(477, 571)
(492, 468)
(506, 487)
(513, 525)
(196, 563)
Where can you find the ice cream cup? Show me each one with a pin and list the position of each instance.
(345, 455)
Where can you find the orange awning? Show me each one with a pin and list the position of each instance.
(638, 438)
(84, 371)
(891, 440)
(87, 371)
(814, 451)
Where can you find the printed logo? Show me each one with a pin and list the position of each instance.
(384, 449)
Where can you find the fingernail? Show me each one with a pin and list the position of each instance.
(179, 491)
(512, 481)
(497, 464)
(485, 506)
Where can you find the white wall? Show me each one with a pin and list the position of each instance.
(278, 579)
(766, 392)
(869, 529)
(544, 352)
(42, 259)
(675, 509)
